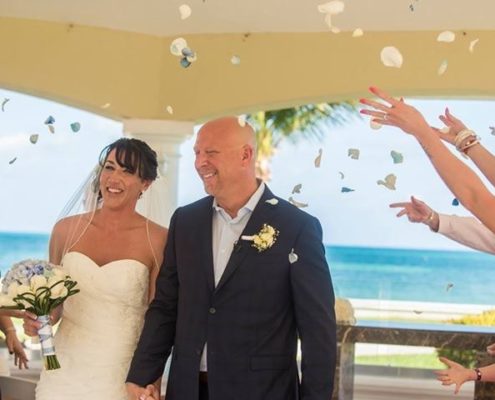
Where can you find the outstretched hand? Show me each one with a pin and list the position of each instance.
(456, 374)
(394, 112)
(418, 211)
(453, 124)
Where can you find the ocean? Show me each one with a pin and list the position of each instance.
(462, 277)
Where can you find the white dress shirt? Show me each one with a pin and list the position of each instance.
(467, 231)
(225, 232)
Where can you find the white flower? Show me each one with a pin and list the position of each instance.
(24, 289)
(6, 301)
(59, 290)
(264, 239)
(37, 282)
(273, 201)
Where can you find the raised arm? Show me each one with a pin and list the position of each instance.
(459, 178)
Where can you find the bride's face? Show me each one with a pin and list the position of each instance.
(119, 186)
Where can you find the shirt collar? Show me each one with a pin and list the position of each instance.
(250, 204)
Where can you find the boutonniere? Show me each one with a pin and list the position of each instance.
(264, 239)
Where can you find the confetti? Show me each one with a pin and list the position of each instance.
(51, 128)
(389, 181)
(397, 157)
(341, 175)
(443, 67)
(273, 201)
(449, 286)
(12, 161)
(185, 11)
(472, 44)
(492, 130)
(455, 202)
(105, 106)
(358, 32)
(5, 101)
(170, 110)
(332, 7)
(391, 57)
(297, 188)
(235, 60)
(334, 29)
(34, 138)
(184, 62)
(318, 158)
(75, 126)
(241, 119)
(445, 129)
(293, 257)
(50, 120)
(353, 153)
(177, 46)
(346, 190)
(297, 203)
(446, 37)
(375, 125)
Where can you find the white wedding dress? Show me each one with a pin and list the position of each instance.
(99, 331)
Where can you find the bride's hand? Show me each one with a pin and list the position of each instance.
(32, 325)
(135, 392)
(15, 348)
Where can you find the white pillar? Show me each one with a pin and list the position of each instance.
(165, 137)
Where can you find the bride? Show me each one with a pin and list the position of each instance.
(114, 253)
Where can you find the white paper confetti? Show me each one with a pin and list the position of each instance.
(389, 181)
(472, 44)
(446, 36)
(353, 153)
(12, 161)
(273, 201)
(332, 7)
(443, 67)
(241, 119)
(235, 60)
(34, 138)
(318, 158)
(391, 57)
(375, 125)
(297, 203)
(492, 130)
(51, 128)
(184, 11)
(358, 32)
(105, 106)
(297, 188)
(170, 109)
(334, 29)
(293, 257)
(341, 175)
(177, 46)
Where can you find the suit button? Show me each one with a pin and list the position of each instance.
(212, 310)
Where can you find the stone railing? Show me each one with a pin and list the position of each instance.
(394, 333)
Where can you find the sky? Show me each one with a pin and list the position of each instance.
(41, 180)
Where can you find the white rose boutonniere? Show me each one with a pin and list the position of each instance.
(264, 239)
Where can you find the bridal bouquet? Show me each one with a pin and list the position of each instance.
(38, 286)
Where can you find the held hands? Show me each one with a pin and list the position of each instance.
(394, 113)
(418, 211)
(456, 374)
(135, 392)
(15, 347)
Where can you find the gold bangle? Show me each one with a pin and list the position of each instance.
(430, 217)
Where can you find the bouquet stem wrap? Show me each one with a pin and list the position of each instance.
(46, 340)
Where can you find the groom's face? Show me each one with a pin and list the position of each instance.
(217, 161)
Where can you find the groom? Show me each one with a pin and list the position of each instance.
(244, 277)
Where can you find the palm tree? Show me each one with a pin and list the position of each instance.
(303, 122)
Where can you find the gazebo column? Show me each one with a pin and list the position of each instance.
(164, 137)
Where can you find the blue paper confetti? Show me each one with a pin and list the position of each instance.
(75, 126)
(346, 190)
(455, 202)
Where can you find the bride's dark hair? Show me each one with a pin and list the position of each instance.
(134, 155)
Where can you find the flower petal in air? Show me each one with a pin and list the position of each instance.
(75, 126)
(375, 125)
(297, 203)
(472, 44)
(358, 32)
(170, 110)
(34, 138)
(273, 201)
(185, 11)
(177, 46)
(391, 57)
(297, 188)
(353, 153)
(332, 7)
(235, 60)
(446, 36)
(318, 158)
(443, 67)
(293, 257)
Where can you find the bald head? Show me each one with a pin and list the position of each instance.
(230, 131)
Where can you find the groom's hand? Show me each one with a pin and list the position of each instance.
(135, 392)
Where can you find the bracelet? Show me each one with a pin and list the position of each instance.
(469, 144)
(461, 136)
(430, 217)
(478, 374)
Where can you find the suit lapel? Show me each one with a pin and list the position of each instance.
(262, 214)
(206, 237)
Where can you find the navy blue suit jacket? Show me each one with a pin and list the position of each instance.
(251, 320)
